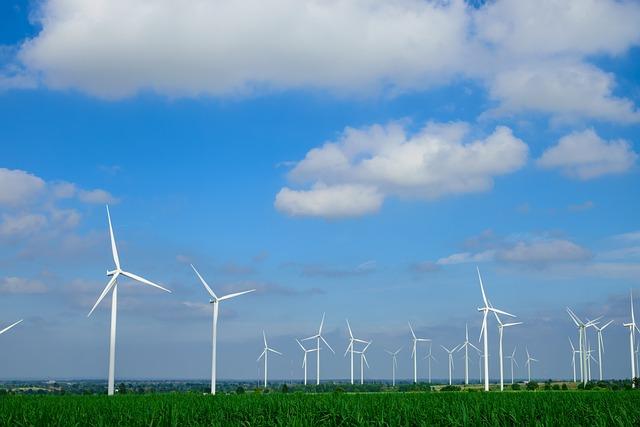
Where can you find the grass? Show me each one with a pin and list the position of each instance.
(595, 408)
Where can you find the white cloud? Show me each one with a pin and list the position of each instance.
(329, 201)
(20, 225)
(96, 196)
(19, 285)
(353, 175)
(543, 251)
(18, 187)
(537, 49)
(584, 155)
(465, 257)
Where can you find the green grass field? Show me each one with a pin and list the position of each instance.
(596, 408)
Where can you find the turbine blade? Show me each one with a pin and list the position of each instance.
(411, 329)
(104, 292)
(606, 324)
(321, 324)
(264, 337)
(476, 348)
(484, 324)
(206, 286)
(261, 354)
(10, 326)
(495, 310)
(512, 324)
(301, 346)
(114, 249)
(143, 280)
(364, 357)
(325, 341)
(349, 327)
(349, 347)
(236, 294)
(274, 351)
(484, 296)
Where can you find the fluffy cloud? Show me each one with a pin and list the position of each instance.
(353, 175)
(19, 285)
(21, 225)
(18, 187)
(584, 155)
(116, 48)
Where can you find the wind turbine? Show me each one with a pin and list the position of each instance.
(265, 355)
(589, 359)
(113, 285)
(363, 361)
(501, 327)
(484, 332)
(573, 359)
(414, 353)
(582, 334)
(632, 332)
(601, 344)
(450, 352)
(304, 359)
(350, 347)
(394, 364)
(513, 361)
(528, 363)
(429, 358)
(214, 301)
(466, 346)
(318, 337)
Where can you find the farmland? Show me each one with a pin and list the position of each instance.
(347, 409)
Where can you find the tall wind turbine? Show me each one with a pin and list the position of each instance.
(304, 359)
(573, 359)
(414, 353)
(318, 337)
(582, 342)
(214, 301)
(350, 347)
(632, 335)
(484, 332)
(265, 355)
(429, 358)
(113, 285)
(528, 363)
(394, 364)
(450, 352)
(513, 361)
(363, 361)
(501, 327)
(601, 344)
(466, 346)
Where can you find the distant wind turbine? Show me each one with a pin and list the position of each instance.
(582, 342)
(528, 363)
(304, 359)
(350, 347)
(265, 355)
(632, 335)
(318, 337)
(112, 284)
(465, 345)
(501, 327)
(573, 359)
(363, 361)
(429, 358)
(215, 301)
(513, 361)
(394, 364)
(414, 353)
(450, 353)
(601, 344)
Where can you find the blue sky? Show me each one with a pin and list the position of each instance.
(361, 174)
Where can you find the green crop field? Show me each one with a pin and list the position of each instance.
(595, 408)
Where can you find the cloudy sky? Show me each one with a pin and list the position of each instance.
(354, 157)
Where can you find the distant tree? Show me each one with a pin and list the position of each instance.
(636, 383)
(122, 389)
(284, 388)
(240, 390)
(532, 386)
(516, 387)
(556, 387)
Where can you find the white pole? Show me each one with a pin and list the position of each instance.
(450, 362)
(112, 342)
(266, 355)
(415, 363)
(429, 368)
(633, 365)
(512, 371)
(466, 363)
(574, 366)
(318, 364)
(501, 361)
(582, 376)
(394, 371)
(213, 347)
(486, 353)
(362, 369)
(352, 362)
(600, 353)
(305, 368)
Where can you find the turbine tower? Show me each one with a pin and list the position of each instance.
(214, 301)
(582, 342)
(601, 345)
(113, 285)
(528, 363)
(350, 347)
(429, 358)
(573, 359)
(632, 335)
(501, 327)
(513, 361)
(484, 332)
(466, 346)
(394, 364)
(363, 361)
(265, 355)
(304, 359)
(318, 337)
(414, 353)
(450, 352)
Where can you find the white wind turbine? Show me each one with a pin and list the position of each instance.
(394, 364)
(582, 342)
(350, 347)
(318, 337)
(429, 358)
(466, 346)
(265, 355)
(484, 332)
(501, 327)
(112, 284)
(513, 361)
(573, 359)
(304, 359)
(414, 353)
(450, 353)
(363, 361)
(589, 359)
(214, 301)
(632, 335)
(528, 363)
(601, 344)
